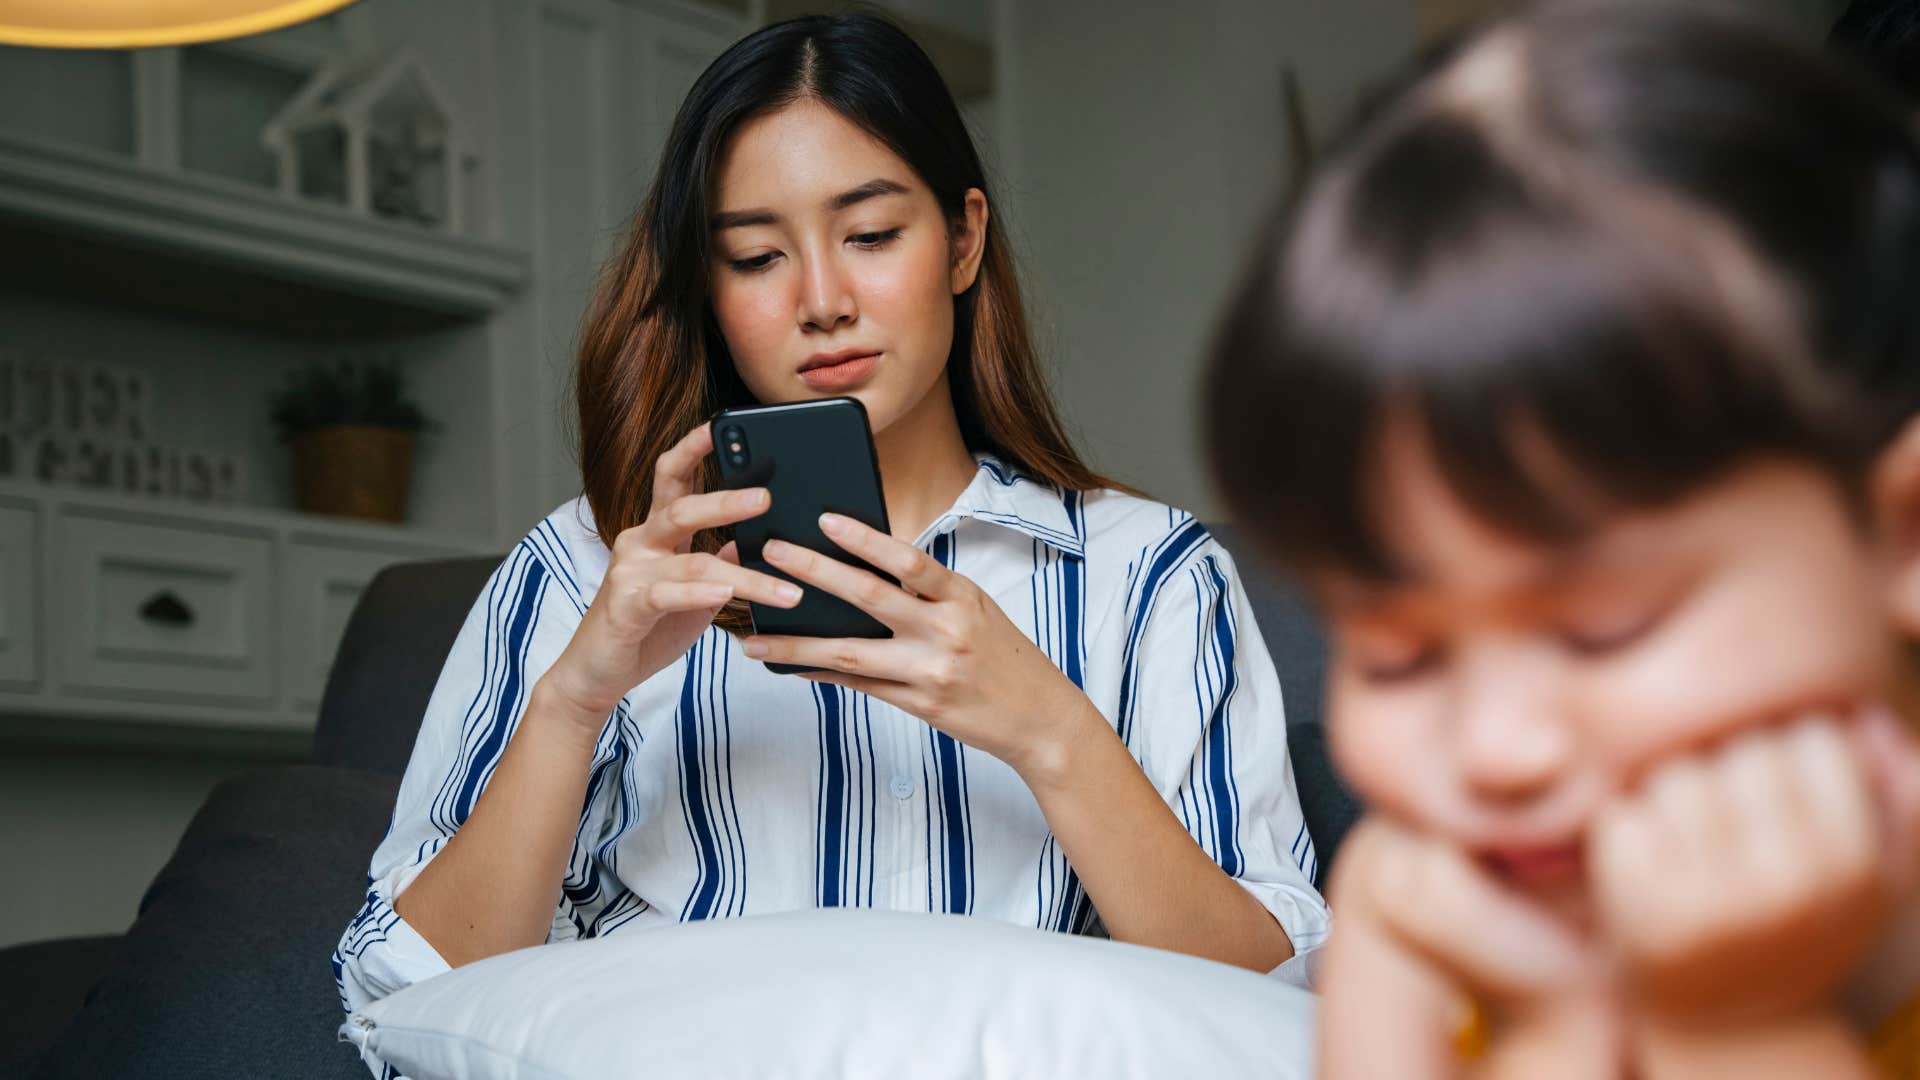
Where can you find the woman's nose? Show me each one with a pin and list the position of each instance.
(1514, 739)
(826, 295)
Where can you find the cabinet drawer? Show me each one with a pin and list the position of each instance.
(168, 612)
(324, 582)
(20, 571)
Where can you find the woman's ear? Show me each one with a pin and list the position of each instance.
(1896, 509)
(969, 241)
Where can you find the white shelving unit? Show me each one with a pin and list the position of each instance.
(139, 225)
(221, 221)
(137, 228)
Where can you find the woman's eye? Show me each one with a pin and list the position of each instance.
(871, 240)
(753, 263)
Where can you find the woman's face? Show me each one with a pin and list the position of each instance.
(1505, 689)
(833, 269)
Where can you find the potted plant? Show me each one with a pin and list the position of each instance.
(352, 429)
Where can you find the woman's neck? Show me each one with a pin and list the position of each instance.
(924, 463)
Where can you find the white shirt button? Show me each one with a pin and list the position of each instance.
(902, 787)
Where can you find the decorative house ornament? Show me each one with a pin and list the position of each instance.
(375, 134)
(131, 24)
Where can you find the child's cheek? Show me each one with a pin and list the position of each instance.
(1388, 748)
(1753, 651)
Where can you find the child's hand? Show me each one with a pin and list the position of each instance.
(1422, 932)
(1747, 884)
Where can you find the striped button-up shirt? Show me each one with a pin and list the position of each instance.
(719, 788)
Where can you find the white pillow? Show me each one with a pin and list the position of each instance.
(842, 993)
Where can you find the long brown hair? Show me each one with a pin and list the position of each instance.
(652, 364)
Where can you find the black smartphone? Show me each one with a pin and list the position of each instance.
(814, 457)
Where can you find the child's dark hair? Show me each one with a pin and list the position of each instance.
(1599, 254)
(1885, 36)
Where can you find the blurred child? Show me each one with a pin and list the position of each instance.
(1581, 386)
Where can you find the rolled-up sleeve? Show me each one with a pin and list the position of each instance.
(517, 627)
(1214, 739)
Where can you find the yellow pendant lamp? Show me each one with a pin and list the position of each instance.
(133, 24)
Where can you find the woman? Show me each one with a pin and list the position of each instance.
(1073, 715)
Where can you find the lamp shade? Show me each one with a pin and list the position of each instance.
(129, 24)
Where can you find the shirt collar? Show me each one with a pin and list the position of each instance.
(1001, 494)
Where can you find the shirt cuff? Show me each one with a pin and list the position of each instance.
(1301, 913)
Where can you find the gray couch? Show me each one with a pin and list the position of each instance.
(224, 971)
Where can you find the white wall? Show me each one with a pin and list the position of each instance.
(1140, 148)
(1143, 147)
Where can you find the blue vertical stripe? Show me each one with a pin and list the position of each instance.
(693, 795)
(1159, 563)
(1225, 793)
(1069, 574)
(926, 792)
(831, 869)
(506, 705)
(1074, 574)
(861, 756)
(873, 796)
(721, 721)
(950, 772)
(955, 844)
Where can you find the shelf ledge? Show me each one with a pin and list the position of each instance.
(238, 232)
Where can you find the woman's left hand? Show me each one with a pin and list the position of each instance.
(955, 660)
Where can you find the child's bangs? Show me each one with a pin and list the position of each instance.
(1561, 358)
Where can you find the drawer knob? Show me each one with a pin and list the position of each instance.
(166, 609)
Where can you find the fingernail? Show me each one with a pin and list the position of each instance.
(776, 550)
(789, 593)
(758, 497)
(755, 648)
(832, 524)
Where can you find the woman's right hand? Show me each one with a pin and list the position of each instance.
(658, 597)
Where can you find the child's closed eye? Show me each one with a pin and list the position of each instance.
(1620, 618)
(1604, 637)
(1389, 663)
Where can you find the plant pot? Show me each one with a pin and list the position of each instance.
(354, 470)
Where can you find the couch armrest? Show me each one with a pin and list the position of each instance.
(389, 659)
(43, 984)
(225, 970)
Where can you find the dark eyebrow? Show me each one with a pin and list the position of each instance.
(872, 189)
(736, 219)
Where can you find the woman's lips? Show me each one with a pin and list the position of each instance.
(840, 376)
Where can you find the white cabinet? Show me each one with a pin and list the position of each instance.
(162, 610)
(20, 575)
(122, 616)
(324, 579)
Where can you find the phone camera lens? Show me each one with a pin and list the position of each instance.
(734, 441)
